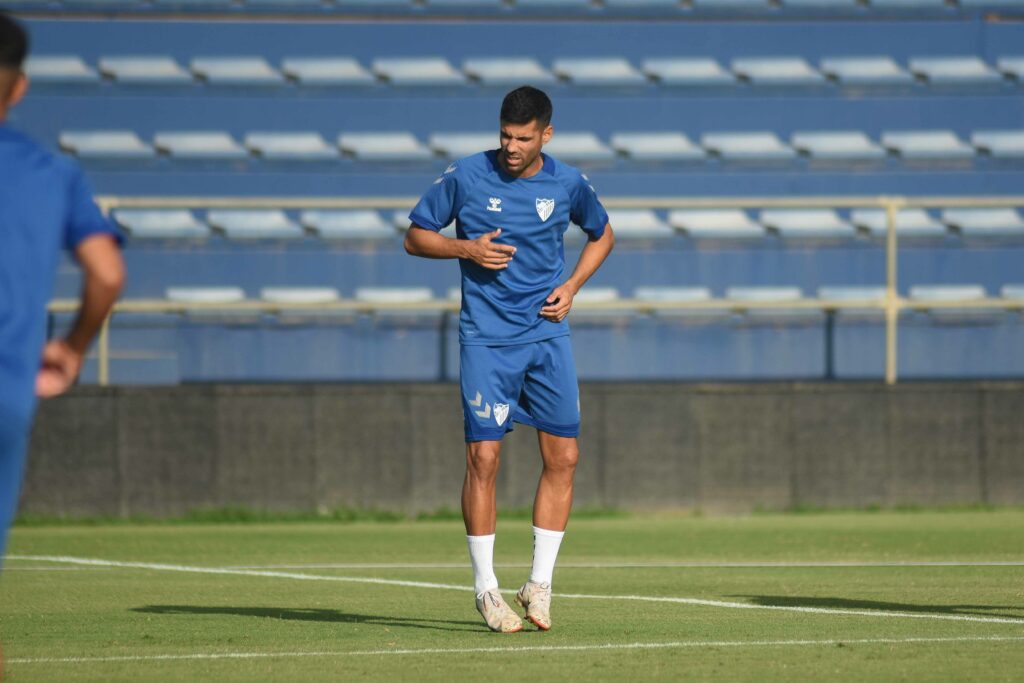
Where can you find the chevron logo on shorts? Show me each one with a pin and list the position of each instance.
(476, 402)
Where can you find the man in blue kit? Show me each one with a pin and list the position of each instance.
(511, 207)
(45, 204)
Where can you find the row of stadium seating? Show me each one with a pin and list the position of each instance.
(612, 8)
(436, 71)
(715, 224)
(572, 147)
(392, 298)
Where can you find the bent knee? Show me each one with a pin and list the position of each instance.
(483, 457)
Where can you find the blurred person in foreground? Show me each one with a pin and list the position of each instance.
(45, 205)
(511, 208)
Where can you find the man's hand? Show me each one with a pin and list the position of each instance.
(484, 252)
(59, 369)
(558, 303)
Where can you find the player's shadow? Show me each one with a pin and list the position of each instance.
(873, 605)
(310, 614)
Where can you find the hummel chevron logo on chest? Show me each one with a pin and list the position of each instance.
(495, 204)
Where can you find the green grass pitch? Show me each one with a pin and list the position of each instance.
(838, 596)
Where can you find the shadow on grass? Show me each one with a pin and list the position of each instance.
(1014, 612)
(309, 614)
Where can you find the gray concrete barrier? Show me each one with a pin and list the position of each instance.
(164, 451)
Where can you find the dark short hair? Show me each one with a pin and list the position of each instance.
(13, 43)
(526, 104)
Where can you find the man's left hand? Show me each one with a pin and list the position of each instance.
(59, 369)
(558, 303)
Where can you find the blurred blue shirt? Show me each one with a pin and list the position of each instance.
(502, 307)
(45, 205)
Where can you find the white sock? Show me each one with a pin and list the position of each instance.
(545, 551)
(481, 554)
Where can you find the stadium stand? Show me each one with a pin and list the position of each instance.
(877, 101)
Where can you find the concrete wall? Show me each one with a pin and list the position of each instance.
(163, 451)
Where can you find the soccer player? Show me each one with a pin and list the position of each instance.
(45, 204)
(511, 208)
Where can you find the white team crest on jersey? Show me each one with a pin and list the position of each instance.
(544, 208)
(500, 413)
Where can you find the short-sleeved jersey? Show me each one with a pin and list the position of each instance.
(45, 204)
(502, 307)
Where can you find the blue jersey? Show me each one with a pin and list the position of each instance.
(502, 307)
(45, 204)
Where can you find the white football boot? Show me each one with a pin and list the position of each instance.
(496, 612)
(535, 598)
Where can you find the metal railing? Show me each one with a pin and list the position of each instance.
(891, 304)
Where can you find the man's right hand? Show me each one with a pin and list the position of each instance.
(485, 253)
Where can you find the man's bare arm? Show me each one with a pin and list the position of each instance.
(483, 250)
(593, 255)
(102, 280)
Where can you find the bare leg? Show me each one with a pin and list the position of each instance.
(479, 506)
(554, 492)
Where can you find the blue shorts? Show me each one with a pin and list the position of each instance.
(533, 384)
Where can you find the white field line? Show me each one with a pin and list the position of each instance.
(446, 586)
(642, 565)
(528, 648)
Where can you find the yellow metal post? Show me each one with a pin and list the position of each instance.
(891, 300)
(103, 351)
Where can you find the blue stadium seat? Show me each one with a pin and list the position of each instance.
(301, 296)
(655, 146)
(106, 144)
(144, 70)
(254, 224)
(773, 294)
(867, 70)
(788, 71)
(804, 224)
(598, 71)
(591, 294)
(910, 223)
(377, 146)
(326, 71)
(348, 224)
(732, 5)
(975, 223)
(676, 294)
(821, 4)
(837, 146)
(1012, 67)
(199, 145)
(459, 145)
(638, 224)
(907, 4)
(397, 303)
(927, 145)
(247, 71)
(507, 71)
(851, 293)
(59, 69)
(964, 70)
(191, 5)
(418, 71)
(639, 4)
(752, 146)
(306, 146)
(953, 293)
(172, 224)
(725, 225)
(1012, 291)
(579, 148)
(1000, 144)
(688, 71)
(555, 4)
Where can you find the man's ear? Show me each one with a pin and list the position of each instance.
(545, 137)
(18, 90)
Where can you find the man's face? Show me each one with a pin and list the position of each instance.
(520, 146)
